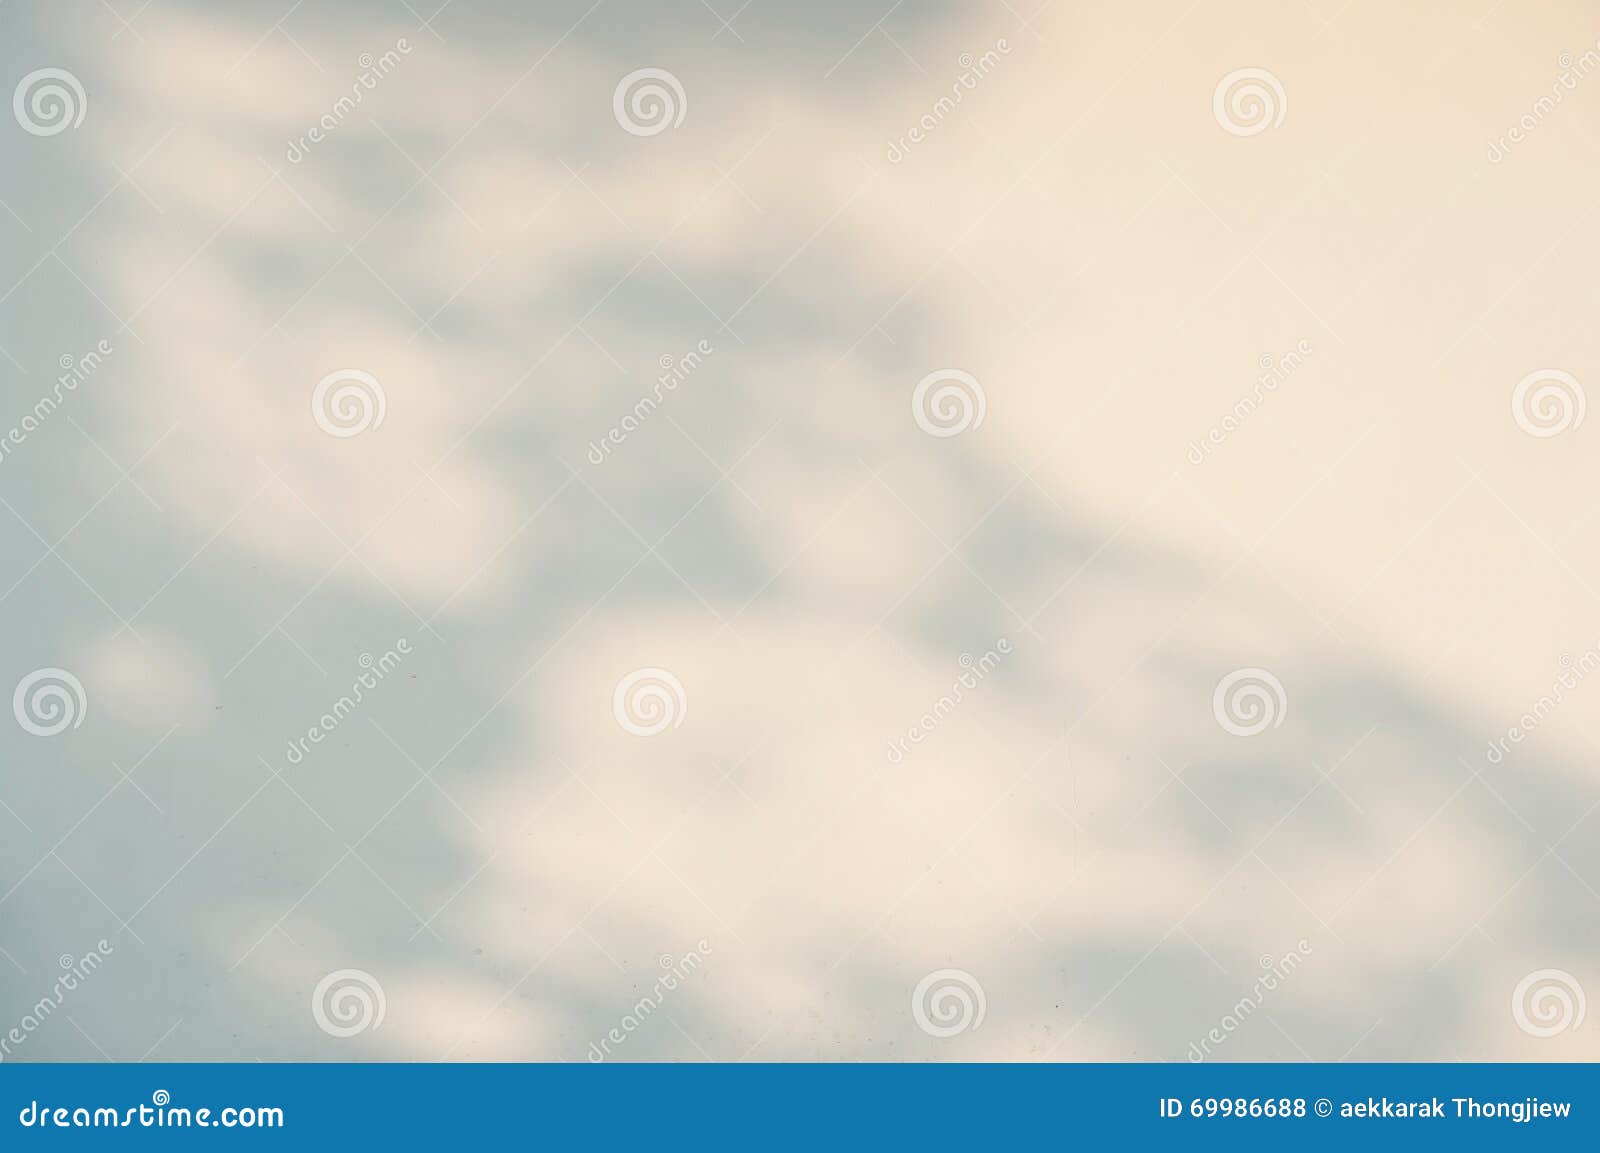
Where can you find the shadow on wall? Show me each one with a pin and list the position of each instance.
(449, 599)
